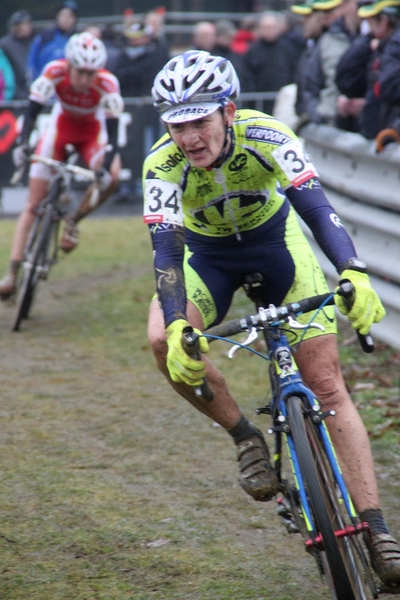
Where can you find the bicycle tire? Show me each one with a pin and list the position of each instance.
(35, 255)
(335, 570)
(353, 555)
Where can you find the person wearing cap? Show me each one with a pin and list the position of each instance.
(342, 22)
(50, 43)
(140, 59)
(221, 188)
(314, 23)
(16, 47)
(85, 116)
(359, 70)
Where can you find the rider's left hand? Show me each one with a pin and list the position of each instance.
(367, 307)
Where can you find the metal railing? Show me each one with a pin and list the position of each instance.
(363, 187)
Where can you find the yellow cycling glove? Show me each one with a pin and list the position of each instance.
(181, 367)
(367, 307)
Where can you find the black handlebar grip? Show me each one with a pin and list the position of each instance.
(190, 342)
(346, 290)
(226, 329)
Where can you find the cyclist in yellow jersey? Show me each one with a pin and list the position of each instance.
(221, 189)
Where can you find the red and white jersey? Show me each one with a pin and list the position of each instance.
(103, 93)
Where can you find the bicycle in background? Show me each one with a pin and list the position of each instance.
(41, 251)
(314, 500)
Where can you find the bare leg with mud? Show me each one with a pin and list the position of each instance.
(37, 191)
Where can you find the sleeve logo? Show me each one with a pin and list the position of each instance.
(266, 135)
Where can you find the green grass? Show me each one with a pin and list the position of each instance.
(99, 458)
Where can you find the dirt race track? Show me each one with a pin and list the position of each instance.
(111, 486)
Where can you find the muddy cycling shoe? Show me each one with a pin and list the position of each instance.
(7, 286)
(384, 553)
(70, 238)
(257, 476)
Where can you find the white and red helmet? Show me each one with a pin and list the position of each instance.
(193, 85)
(85, 51)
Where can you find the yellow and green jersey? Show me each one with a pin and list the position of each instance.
(246, 191)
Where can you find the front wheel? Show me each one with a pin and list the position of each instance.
(35, 261)
(335, 570)
(350, 546)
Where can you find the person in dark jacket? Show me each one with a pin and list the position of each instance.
(50, 43)
(225, 33)
(269, 63)
(16, 47)
(387, 88)
(140, 60)
(359, 70)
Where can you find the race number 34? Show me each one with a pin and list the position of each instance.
(163, 202)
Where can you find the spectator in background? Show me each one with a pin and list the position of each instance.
(204, 36)
(141, 58)
(388, 85)
(359, 70)
(50, 43)
(293, 37)
(16, 46)
(7, 79)
(244, 35)
(113, 46)
(269, 64)
(225, 31)
(155, 19)
(320, 87)
(315, 22)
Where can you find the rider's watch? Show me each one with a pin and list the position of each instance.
(355, 264)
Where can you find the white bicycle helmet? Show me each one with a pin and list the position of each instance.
(85, 51)
(193, 85)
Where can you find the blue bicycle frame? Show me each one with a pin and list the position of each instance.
(286, 382)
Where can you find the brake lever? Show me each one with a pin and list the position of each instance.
(296, 325)
(253, 335)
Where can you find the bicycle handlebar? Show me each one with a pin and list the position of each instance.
(64, 168)
(191, 347)
(268, 316)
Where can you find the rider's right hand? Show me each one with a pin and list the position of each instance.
(181, 367)
(20, 155)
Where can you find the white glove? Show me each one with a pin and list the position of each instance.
(103, 179)
(20, 155)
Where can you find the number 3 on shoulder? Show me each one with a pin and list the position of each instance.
(162, 202)
(294, 162)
